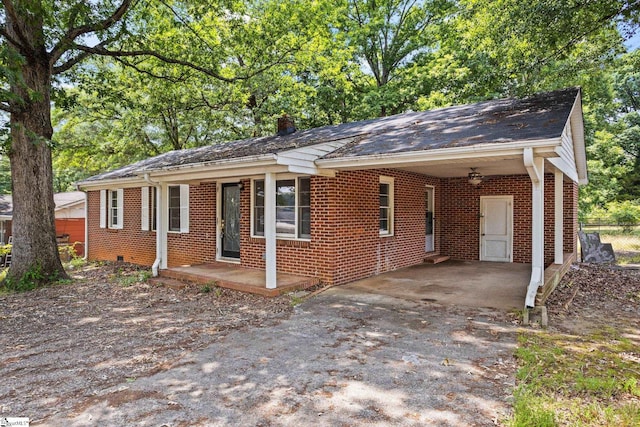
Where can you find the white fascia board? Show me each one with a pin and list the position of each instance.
(6, 217)
(441, 155)
(106, 184)
(576, 121)
(215, 174)
(214, 169)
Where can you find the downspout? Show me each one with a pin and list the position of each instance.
(535, 169)
(156, 263)
(86, 226)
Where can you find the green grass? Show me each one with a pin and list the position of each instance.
(569, 380)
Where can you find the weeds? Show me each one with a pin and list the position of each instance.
(576, 380)
(128, 280)
(212, 286)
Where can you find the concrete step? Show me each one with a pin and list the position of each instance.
(435, 259)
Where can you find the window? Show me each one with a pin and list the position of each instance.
(178, 201)
(177, 212)
(293, 208)
(386, 206)
(111, 208)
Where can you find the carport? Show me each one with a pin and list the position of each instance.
(467, 283)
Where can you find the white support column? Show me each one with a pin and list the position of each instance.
(535, 168)
(162, 225)
(558, 257)
(270, 229)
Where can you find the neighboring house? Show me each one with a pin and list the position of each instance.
(70, 218)
(493, 181)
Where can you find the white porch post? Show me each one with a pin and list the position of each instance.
(270, 228)
(559, 213)
(162, 225)
(535, 168)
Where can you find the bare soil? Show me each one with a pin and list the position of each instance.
(63, 344)
(591, 296)
(68, 346)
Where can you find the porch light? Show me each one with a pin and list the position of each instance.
(474, 177)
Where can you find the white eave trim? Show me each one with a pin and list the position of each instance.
(576, 121)
(105, 184)
(442, 155)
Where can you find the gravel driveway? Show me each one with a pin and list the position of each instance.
(343, 358)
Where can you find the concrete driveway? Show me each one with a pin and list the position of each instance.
(344, 358)
(469, 283)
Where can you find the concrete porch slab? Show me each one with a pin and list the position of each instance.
(243, 279)
(468, 283)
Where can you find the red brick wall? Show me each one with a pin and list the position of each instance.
(345, 243)
(570, 201)
(361, 251)
(135, 245)
(345, 240)
(198, 246)
(461, 210)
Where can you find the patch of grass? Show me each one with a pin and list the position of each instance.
(576, 380)
(295, 300)
(128, 280)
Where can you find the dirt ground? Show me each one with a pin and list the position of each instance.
(110, 350)
(63, 344)
(591, 296)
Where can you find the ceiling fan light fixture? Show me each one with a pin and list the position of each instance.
(475, 178)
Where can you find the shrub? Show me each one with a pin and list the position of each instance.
(626, 214)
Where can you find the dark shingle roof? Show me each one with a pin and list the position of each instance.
(507, 120)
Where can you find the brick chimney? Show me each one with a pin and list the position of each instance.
(285, 125)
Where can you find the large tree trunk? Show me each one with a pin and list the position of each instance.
(35, 257)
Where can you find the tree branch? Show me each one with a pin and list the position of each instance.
(70, 63)
(10, 39)
(99, 50)
(179, 79)
(11, 12)
(8, 108)
(67, 40)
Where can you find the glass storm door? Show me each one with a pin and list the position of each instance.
(230, 226)
(429, 245)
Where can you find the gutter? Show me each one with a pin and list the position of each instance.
(159, 236)
(440, 154)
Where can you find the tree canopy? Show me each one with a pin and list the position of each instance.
(102, 83)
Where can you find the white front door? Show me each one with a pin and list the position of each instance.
(496, 228)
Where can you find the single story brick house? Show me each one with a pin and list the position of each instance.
(492, 181)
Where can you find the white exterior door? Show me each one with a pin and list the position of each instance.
(496, 228)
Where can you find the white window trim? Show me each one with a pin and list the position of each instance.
(106, 213)
(278, 236)
(119, 208)
(390, 181)
(103, 208)
(144, 208)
